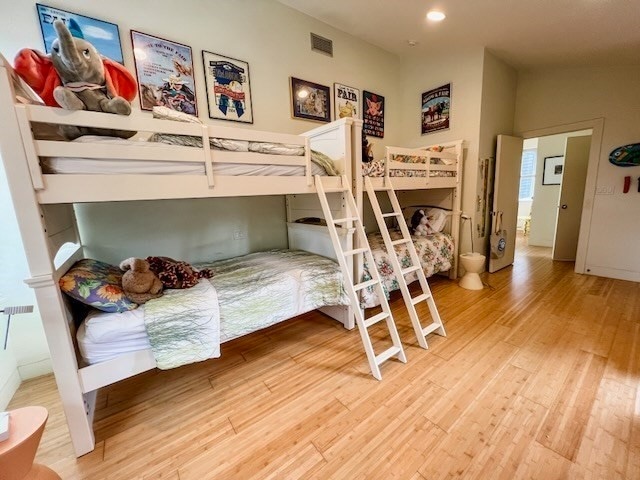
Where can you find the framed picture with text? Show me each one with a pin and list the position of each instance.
(436, 107)
(165, 73)
(346, 101)
(228, 88)
(373, 114)
(310, 101)
(105, 36)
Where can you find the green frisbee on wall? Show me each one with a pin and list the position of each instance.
(626, 156)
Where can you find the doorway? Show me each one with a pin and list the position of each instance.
(551, 190)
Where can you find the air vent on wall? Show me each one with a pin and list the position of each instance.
(321, 44)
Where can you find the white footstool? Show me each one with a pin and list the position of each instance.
(472, 264)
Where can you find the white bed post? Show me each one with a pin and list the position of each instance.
(357, 183)
(456, 211)
(35, 241)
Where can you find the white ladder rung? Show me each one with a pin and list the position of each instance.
(411, 269)
(354, 251)
(401, 241)
(431, 328)
(420, 298)
(392, 214)
(375, 319)
(368, 283)
(387, 354)
(345, 220)
(335, 190)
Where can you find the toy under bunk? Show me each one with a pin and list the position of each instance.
(428, 179)
(43, 201)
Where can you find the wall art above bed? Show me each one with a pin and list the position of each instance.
(436, 106)
(373, 114)
(165, 73)
(104, 36)
(346, 101)
(310, 101)
(228, 88)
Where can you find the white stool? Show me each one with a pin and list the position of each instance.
(472, 264)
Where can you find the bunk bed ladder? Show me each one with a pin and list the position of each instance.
(351, 286)
(410, 302)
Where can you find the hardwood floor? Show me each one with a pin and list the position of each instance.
(539, 377)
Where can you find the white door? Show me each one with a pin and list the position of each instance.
(504, 215)
(574, 176)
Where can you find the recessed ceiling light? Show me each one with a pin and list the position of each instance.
(436, 16)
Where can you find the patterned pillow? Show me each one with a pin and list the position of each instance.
(96, 284)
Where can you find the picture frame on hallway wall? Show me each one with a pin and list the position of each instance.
(165, 73)
(310, 101)
(228, 88)
(346, 101)
(436, 109)
(105, 36)
(553, 168)
(373, 114)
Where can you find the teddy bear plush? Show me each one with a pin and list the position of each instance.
(139, 283)
(420, 224)
(76, 77)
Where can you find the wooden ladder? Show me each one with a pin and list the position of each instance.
(352, 288)
(410, 302)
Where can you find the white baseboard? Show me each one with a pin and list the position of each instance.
(9, 389)
(35, 369)
(612, 273)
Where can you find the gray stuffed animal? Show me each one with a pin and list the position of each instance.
(86, 84)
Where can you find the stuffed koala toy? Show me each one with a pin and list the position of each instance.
(420, 224)
(139, 283)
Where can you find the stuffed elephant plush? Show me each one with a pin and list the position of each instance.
(81, 80)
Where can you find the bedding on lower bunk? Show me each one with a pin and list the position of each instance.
(321, 164)
(435, 253)
(253, 292)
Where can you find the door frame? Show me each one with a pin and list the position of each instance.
(597, 127)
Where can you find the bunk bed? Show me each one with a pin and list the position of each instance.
(44, 200)
(426, 178)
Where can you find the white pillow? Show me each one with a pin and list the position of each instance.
(437, 218)
(166, 113)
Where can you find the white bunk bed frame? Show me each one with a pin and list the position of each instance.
(407, 187)
(46, 218)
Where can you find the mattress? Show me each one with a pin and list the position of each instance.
(109, 166)
(254, 291)
(376, 169)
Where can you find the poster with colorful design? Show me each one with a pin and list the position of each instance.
(165, 73)
(228, 88)
(346, 101)
(373, 114)
(436, 105)
(103, 35)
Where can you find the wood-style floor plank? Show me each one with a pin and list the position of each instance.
(538, 378)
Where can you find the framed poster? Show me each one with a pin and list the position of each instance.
(103, 35)
(228, 88)
(553, 167)
(346, 101)
(310, 101)
(436, 106)
(165, 73)
(373, 114)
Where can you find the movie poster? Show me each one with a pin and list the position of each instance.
(165, 73)
(436, 106)
(373, 114)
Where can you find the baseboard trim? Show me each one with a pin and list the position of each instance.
(613, 273)
(35, 369)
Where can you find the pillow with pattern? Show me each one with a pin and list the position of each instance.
(96, 284)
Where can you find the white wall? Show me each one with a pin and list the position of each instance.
(499, 82)
(464, 69)
(558, 97)
(275, 41)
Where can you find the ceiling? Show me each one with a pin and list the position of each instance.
(527, 34)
